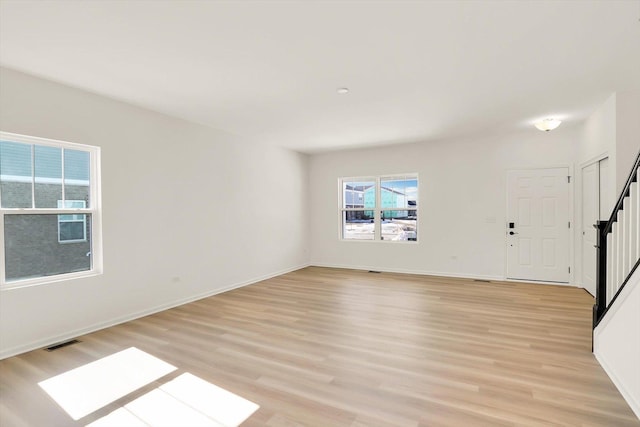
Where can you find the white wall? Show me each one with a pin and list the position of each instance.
(627, 135)
(612, 130)
(597, 140)
(462, 199)
(187, 211)
(599, 133)
(617, 343)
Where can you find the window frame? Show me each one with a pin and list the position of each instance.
(377, 209)
(94, 210)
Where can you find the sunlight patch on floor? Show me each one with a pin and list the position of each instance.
(160, 409)
(184, 401)
(223, 406)
(88, 388)
(119, 418)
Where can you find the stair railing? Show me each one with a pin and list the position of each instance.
(618, 246)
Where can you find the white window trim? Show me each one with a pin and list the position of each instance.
(377, 210)
(94, 209)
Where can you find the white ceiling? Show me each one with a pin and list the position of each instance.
(269, 70)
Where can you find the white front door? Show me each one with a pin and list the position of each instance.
(590, 214)
(538, 225)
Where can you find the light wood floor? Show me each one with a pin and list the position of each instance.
(329, 347)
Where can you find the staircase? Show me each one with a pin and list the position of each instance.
(618, 246)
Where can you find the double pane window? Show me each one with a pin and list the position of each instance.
(379, 208)
(48, 203)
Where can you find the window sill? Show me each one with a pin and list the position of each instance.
(397, 242)
(37, 281)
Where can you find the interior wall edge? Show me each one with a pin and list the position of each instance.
(616, 346)
(617, 305)
(620, 385)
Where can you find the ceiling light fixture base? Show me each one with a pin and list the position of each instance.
(547, 125)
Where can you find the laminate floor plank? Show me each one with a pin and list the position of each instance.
(346, 348)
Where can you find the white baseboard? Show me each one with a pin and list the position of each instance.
(408, 271)
(436, 273)
(48, 341)
(539, 282)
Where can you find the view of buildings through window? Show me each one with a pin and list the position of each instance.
(47, 207)
(380, 208)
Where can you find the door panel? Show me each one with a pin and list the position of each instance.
(549, 253)
(524, 211)
(606, 195)
(590, 213)
(596, 204)
(538, 205)
(549, 212)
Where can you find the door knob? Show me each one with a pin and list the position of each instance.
(511, 233)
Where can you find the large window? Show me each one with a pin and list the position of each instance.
(49, 208)
(379, 208)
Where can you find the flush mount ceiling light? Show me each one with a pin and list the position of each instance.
(342, 90)
(547, 124)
